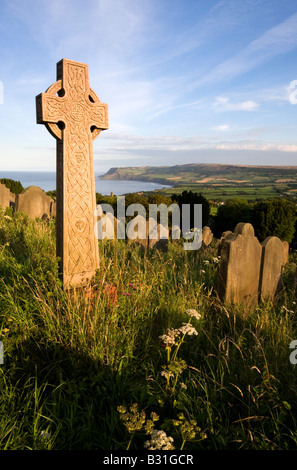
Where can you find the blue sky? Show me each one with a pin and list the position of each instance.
(186, 81)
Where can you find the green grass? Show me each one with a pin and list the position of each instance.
(225, 191)
(71, 361)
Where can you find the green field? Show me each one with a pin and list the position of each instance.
(225, 192)
(216, 182)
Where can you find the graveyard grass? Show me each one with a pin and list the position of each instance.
(86, 372)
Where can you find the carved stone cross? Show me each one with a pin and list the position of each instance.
(74, 115)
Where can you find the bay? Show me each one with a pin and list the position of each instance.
(47, 181)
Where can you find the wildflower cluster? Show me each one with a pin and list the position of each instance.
(173, 369)
(172, 340)
(130, 286)
(172, 334)
(188, 329)
(159, 441)
(285, 309)
(170, 337)
(215, 260)
(193, 313)
(188, 429)
(135, 420)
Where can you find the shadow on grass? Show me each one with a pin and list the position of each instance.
(76, 394)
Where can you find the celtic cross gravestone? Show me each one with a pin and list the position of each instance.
(74, 115)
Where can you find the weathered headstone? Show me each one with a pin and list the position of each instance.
(207, 236)
(137, 231)
(157, 239)
(239, 269)
(7, 198)
(74, 115)
(34, 202)
(141, 232)
(223, 236)
(286, 248)
(271, 268)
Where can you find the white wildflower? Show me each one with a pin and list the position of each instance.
(159, 441)
(216, 259)
(286, 309)
(193, 313)
(182, 385)
(167, 374)
(206, 261)
(169, 338)
(188, 329)
(7, 217)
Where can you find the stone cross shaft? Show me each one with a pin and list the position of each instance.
(74, 115)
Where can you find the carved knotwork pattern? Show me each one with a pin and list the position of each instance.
(79, 189)
(79, 205)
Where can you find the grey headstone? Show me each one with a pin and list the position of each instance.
(34, 202)
(239, 269)
(271, 268)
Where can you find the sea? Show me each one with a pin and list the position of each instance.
(47, 181)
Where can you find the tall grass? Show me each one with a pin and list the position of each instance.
(76, 363)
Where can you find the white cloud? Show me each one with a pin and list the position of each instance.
(222, 103)
(256, 146)
(125, 143)
(280, 39)
(222, 127)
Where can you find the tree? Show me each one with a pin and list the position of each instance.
(188, 197)
(52, 194)
(230, 214)
(159, 199)
(275, 217)
(15, 187)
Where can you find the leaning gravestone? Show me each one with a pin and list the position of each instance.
(223, 236)
(207, 236)
(74, 115)
(271, 268)
(7, 198)
(34, 202)
(239, 269)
